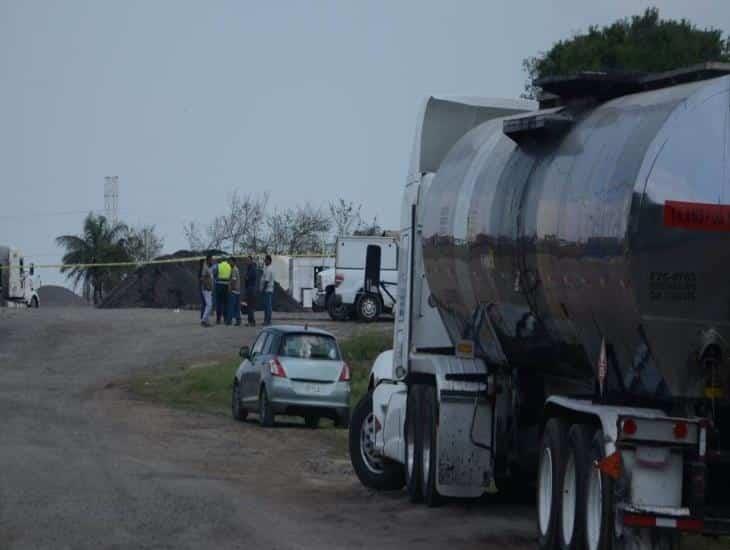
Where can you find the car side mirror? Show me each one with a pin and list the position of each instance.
(244, 352)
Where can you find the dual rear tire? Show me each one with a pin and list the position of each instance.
(565, 473)
(421, 432)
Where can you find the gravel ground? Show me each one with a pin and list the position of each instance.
(84, 464)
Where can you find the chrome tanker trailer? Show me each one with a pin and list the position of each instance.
(564, 314)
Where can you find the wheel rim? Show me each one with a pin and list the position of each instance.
(545, 490)
(368, 308)
(410, 445)
(569, 500)
(367, 445)
(594, 508)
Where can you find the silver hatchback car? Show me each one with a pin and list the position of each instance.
(293, 371)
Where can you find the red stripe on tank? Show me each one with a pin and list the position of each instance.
(697, 215)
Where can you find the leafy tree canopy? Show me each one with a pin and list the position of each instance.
(642, 43)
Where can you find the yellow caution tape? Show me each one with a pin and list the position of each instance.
(150, 262)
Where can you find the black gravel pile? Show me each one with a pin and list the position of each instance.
(175, 285)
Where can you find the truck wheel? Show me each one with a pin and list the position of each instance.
(575, 482)
(337, 312)
(413, 449)
(266, 415)
(368, 308)
(237, 411)
(373, 471)
(549, 477)
(311, 421)
(34, 302)
(429, 446)
(599, 522)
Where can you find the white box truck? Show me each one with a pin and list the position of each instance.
(562, 311)
(17, 284)
(366, 277)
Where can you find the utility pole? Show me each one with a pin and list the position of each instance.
(111, 198)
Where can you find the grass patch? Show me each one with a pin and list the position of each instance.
(207, 387)
(359, 352)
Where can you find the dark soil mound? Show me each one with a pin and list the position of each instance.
(58, 296)
(175, 285)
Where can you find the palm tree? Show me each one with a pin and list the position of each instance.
(100, 242)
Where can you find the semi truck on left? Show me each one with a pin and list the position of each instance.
(17, 284)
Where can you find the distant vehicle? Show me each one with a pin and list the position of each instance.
(359, 292)
(325, 287)
(303, 276)
(16, 280)
(292, 371)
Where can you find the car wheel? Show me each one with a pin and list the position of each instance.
(266, 415)
(311, 421)
(368, 308)
(412, 458)
(337, 311)
(237, 411)
(428, 446)
(372, 470)
(343, 419)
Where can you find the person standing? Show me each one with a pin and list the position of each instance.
(250, 283)
(206, 289)
(234, 298)
(201, 267)
(221, 290)
(268, 289)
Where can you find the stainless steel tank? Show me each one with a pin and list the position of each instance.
(614, 231)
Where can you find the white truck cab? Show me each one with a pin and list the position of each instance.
(18, 284)
(366, 277)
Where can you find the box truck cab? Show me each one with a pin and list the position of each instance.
(366, 277)
(17, 283)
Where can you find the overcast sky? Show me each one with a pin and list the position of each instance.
(186, 101)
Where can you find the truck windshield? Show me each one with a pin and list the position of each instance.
(309, 346)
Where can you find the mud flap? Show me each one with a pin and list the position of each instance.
(464, 439)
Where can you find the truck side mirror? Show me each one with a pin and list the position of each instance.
(32, 269)
(244, 352)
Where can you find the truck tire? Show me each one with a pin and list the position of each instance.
(412, 432)
(429, 408)
(311, 421)
(237, 410)
(373, 472)
(599, 516)
(368, 308)
(549, 478)
(266, 415)
(337, 312)
(571, 534)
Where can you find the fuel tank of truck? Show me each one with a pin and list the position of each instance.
(608, 236)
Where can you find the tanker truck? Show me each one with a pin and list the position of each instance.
(563, 316)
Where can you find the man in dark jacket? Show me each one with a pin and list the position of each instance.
(250, 284)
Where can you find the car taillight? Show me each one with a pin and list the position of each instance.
(276, 369)
(339, 277)
(345, 374)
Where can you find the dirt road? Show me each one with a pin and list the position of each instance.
(83, 464)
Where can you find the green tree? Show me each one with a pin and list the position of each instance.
(100, 242)
(642, 43)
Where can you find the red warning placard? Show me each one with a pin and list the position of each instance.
(697, 215)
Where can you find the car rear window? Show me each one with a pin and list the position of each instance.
(309, 346)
